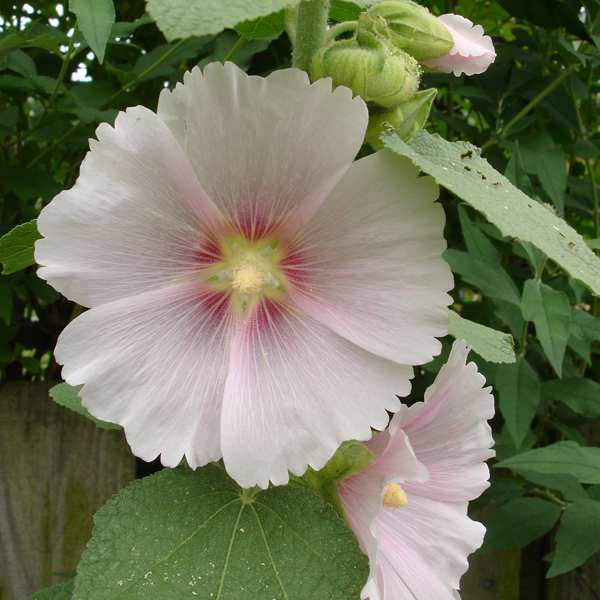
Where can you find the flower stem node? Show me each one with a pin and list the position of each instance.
(414, 29)
(394, 496)
(369, 65)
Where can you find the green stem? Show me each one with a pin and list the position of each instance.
(549, 496)
(327, 490)
(311, 27)
(147, 71)
(235, 49)
(339, 29)
(504, 131)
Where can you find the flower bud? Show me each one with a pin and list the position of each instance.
(406, 119)
(414, 29)
(376, 74)
(472, 53)
(350, 458)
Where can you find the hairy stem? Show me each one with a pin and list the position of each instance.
(311, 27)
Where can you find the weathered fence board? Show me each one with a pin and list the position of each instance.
(56, 470)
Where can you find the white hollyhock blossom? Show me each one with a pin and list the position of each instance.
(473, 52)
(409, 507)
(253, 294)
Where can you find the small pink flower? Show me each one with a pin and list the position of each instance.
(473, 51)
(253, 294)
(436, 450)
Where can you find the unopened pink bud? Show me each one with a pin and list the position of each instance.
(473, 52)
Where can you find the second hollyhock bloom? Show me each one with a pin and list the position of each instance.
(409, 508)
(253, 294)
(473, 52)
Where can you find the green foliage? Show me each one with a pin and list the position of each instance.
(262, 27)
(182, 534)
(518, 523)
(551, 314)
(184, 18)
(95, 18)
(16, 247)
(493, 346)
(578, 536)
(66, 395)
(460, 168)
(60, 591)
(560, 458)
(518, 386)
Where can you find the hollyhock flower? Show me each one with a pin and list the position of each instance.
(409, 507)
(473, 51)
(253, 295)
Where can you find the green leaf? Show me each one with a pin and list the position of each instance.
(342, 10)
(562, 457)
(519, 390)
(543, 158)
(262, 27)
(14, 41)
(493, 346)
(492, 280)
(61, 591)
(515, 171)
(66, 395)
(30, 183)
(478, 244)
(16, 247)
(578, 536)
(518, 523)
(96, 19)
(550, 311)
(185, 18)
(580, 395)
(187, 534)
(585, 325)
(459, 168)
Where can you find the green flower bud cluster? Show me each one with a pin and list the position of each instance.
(369, 65)
(381, 64)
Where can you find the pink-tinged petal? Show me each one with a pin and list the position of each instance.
(136, 219)
(449, 430)
(264, 148)
(473, 52)
(156, 364)
(369, 263)
(296, 391)
(362, 494)
(425, 544)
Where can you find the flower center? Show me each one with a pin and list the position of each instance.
(247, 277)
(394, 496)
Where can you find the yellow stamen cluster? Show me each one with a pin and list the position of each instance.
(247, 278)
(394, 496)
